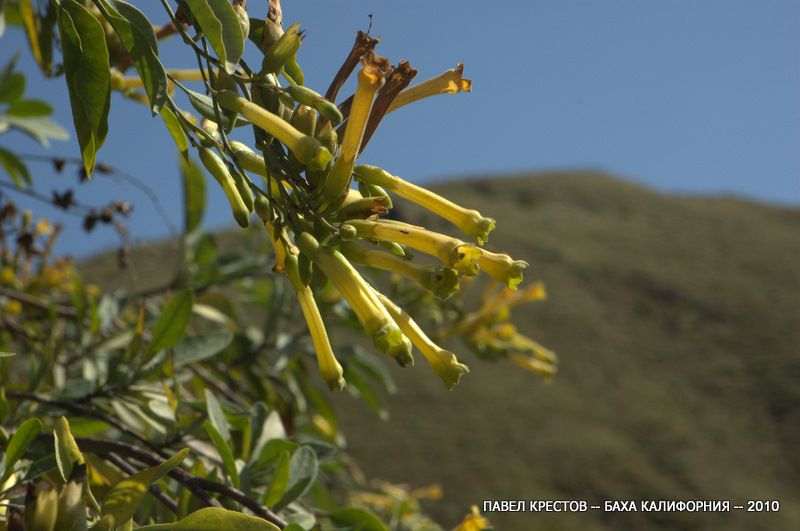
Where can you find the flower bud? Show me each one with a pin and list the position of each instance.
(282, 50)
(216, 167)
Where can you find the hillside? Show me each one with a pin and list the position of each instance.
(677, 320)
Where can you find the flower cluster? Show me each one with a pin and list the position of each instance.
(324, 210)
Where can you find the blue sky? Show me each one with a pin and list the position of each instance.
(683, 96)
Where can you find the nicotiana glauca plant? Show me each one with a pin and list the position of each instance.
(200, 387)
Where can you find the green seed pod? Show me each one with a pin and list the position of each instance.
(216, 167)
(243, 187)
(371, 190)
(329, 110)
(328, 137)
(347, 232)
(223, 81)
(305, 269)
(303, 95)
(304, 119)
(282, 50)
(261, 206)
(396, 249)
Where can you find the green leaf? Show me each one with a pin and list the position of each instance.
(215, 519)
(303, 470)
(194, 194)
(136, 34)
(217, 416)
(29, 108)
(67, 452)
(124, 498)
(12, 86)
(87, 73)
(175, 130)
(280, 480)
(221, 27)
(201, 347)
(39, 128)
(171, 326)
(22, 438)
(15, 168)
(224, 452)
(357, 518)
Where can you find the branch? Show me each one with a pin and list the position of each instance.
(24, 298)
(123, 465)
(86, 411)
(197, 486)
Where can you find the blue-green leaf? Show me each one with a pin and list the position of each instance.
(29, 108)
(136, 34)
(214, 519)
(86, 70)
(217, 416)
(224, 452)
(194, 193)
(15, 168)
(280, 480)
(175, 130)
(221, 27)
(201, 347)
(170, 327)
(303, 469)
(22, 438)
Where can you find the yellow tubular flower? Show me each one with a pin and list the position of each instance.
(539, 352)
(369, 310)
(473, 522)
(449, 82)
(329, 367)
(502, 268)
(444, 363)
(441, 281)
(470, 222)
(307, 149)
(540, 368)
(463, 257)
(373, 70)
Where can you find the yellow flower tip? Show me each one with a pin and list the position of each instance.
(474, 521)
(535, 292)
(465, 259)
(43, 228)
(480, 228)
(503, 268)
(335, 383)
(391, 340)
(441, 281)
(457, 83)
(448, 368)
(538, 367)
(13, 307)
(7, 275)
(374, 67)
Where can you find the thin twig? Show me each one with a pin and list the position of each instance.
(86, 411)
